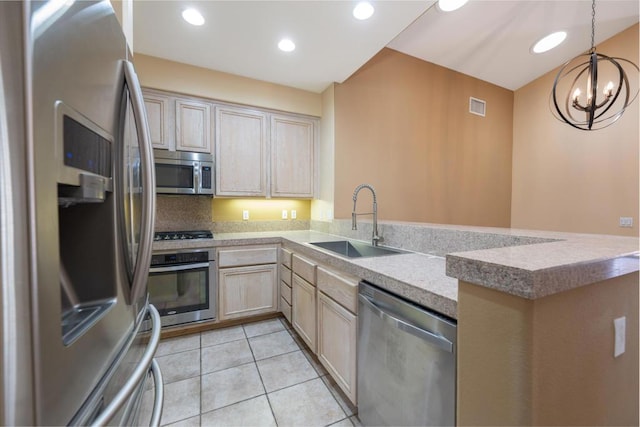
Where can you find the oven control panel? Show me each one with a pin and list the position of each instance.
(180, 258)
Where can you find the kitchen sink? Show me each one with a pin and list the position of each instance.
(356, 249)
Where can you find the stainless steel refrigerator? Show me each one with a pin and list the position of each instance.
(76, 220)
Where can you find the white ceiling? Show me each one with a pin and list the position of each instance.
(241, 37)
(491, 39)
(487, 39)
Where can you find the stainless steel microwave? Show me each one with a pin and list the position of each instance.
(181, 172)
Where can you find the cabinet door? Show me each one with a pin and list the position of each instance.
(193, 126)
(160, 120)
(337, 343)
(292, 156)
(303, 310)
(245, 291)
(241, 152)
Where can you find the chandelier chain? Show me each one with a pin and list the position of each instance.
(593, 25)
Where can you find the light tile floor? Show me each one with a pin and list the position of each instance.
(256, 374)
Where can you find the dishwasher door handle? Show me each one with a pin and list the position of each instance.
(432, 338)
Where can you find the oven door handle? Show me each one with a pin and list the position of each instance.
(178, 268)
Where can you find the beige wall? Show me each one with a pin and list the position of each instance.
(402, 125)
(158, 73)
(124, 13)
(570, 180)
(322, 207)
(548, 361)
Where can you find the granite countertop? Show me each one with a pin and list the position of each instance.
(416, 276)
(546, 264)
(533, 271)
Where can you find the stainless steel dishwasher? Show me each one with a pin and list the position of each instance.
(406, 362)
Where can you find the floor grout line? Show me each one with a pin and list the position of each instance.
(291, 333)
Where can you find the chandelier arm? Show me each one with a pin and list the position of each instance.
(612, 99)
(617, 115)
(576, 105)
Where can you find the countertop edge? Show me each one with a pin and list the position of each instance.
(539, 283)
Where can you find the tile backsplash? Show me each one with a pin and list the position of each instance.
(175, 213)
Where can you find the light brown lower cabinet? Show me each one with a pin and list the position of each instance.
(337, 343)
(303, 310)
(246, 291)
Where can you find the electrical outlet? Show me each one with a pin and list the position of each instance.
(245, 215)
(619, 326)
(626, 221)
(284, 214)
(294, 214)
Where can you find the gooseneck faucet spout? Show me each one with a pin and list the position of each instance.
(354, 223)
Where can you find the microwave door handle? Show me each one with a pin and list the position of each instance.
(140, 275)
(197, 183)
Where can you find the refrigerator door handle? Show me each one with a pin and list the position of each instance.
(158, 401)
(139, 282)
(138, 374)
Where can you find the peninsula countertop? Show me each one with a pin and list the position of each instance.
(549, 263)
(416, 276)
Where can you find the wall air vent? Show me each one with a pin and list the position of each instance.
(477, 106)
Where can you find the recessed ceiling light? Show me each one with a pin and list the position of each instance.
(193, 17)
(450, 5)
(549, 42)
(286, 45)
(363, 10)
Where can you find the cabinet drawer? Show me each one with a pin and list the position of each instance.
(304, 268)
(285, 257)
(339, 286)
(285, 274)
(285, 308)
(285, 292)
(239, 257)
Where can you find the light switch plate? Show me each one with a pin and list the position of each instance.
(294, 214)
(245, 215)
(619, 325)
(284, 214)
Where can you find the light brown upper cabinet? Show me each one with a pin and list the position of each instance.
(160, 118)
(292, 156)
(258, 152)
(193, 126)
(241, 152)
(178, 122)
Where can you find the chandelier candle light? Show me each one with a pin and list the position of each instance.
(600, 112)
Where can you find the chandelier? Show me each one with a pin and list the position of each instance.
(593, 110)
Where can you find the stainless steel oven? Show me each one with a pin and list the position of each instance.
(182, 285)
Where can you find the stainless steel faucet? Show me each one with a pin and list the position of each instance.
(354, 224)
